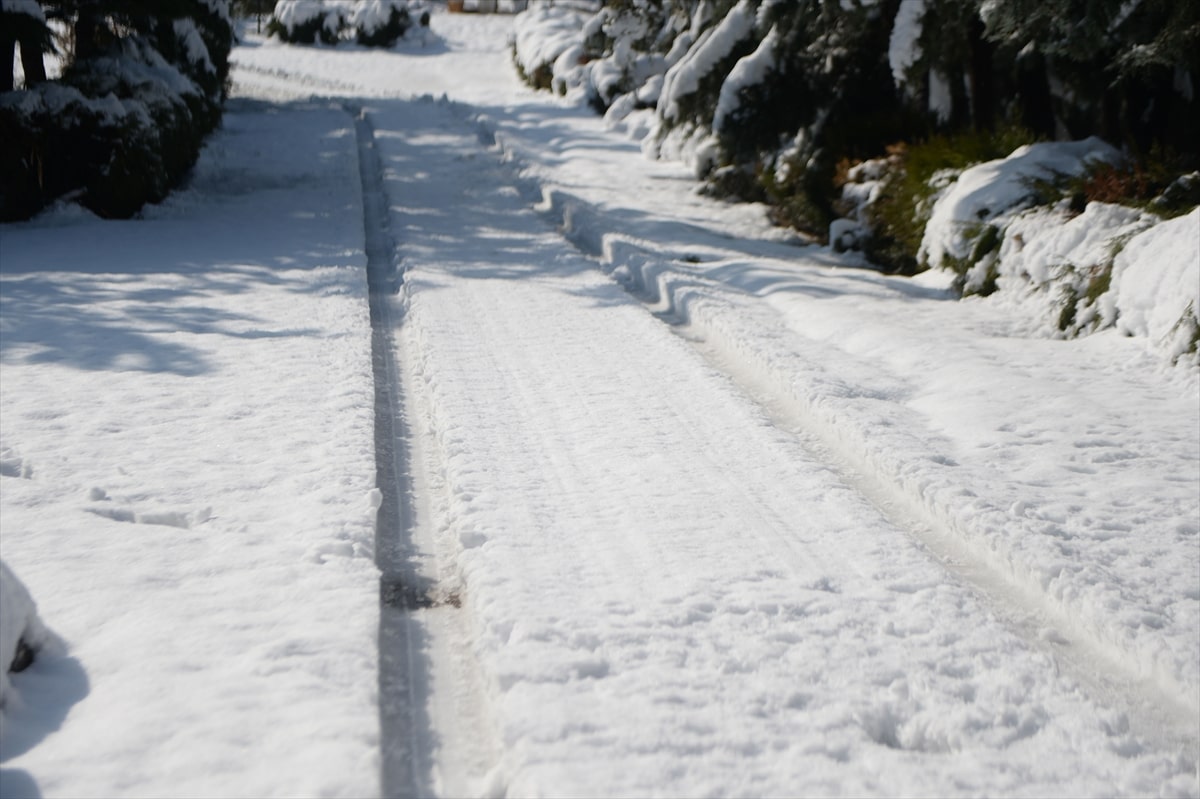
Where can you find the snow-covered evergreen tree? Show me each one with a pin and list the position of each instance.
(23, 25)
(143, 84)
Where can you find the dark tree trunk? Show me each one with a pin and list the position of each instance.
(7, 48)
(32, 62)
(1037, 106)
(981, 74)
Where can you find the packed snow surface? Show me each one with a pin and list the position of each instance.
(696, 509)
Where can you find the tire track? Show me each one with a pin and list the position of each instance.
(432, 741)
(400, 591)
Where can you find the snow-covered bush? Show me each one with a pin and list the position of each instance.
(125, 121)
(306, 21)
(22, 633)
(373, 23)
(380, 23)
(548, 47)
(967, 223)
(1155, 288)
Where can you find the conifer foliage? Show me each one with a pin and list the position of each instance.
(771, 99)
(143, 83)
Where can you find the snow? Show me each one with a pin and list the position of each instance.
(904, 47)
(191, 415)
(694, 508)
(30, 8)
(713, 45)
(20, 625)
(1156, 279)
(747, 72)
(294, 13)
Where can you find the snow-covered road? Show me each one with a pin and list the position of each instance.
(672, 504)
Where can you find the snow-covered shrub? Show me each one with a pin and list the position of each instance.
(1155, 288)
(380, 23)
(306, 21)
(22, 633)
(548, 46)
(966, 226)
(1063, 261)
(374, 23)
(886, 202)
(126, 120)
(107, 152)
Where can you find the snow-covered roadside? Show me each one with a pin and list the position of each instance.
(660, 580)
(669, 593)
(189, 401)
(980, 432)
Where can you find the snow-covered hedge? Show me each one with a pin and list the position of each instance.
(1077, 266)
(306, 21)
(22, 633)
(796, 104)
(984, 198)
(380, 23)
(373, 23)
(126, 120)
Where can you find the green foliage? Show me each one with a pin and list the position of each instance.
(915, 174)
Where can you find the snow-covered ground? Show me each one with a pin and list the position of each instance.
(687, 508)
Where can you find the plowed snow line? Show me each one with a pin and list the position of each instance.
(427, 688)
(666, 592)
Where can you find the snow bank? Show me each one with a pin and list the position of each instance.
(1156, 287)
(20, 627)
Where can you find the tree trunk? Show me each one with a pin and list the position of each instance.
(33, 63)
(7, 73)
(982, 78)
(1037, 106)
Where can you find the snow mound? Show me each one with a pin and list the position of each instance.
(1156, 287)
(20, 629)
(294, 13)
